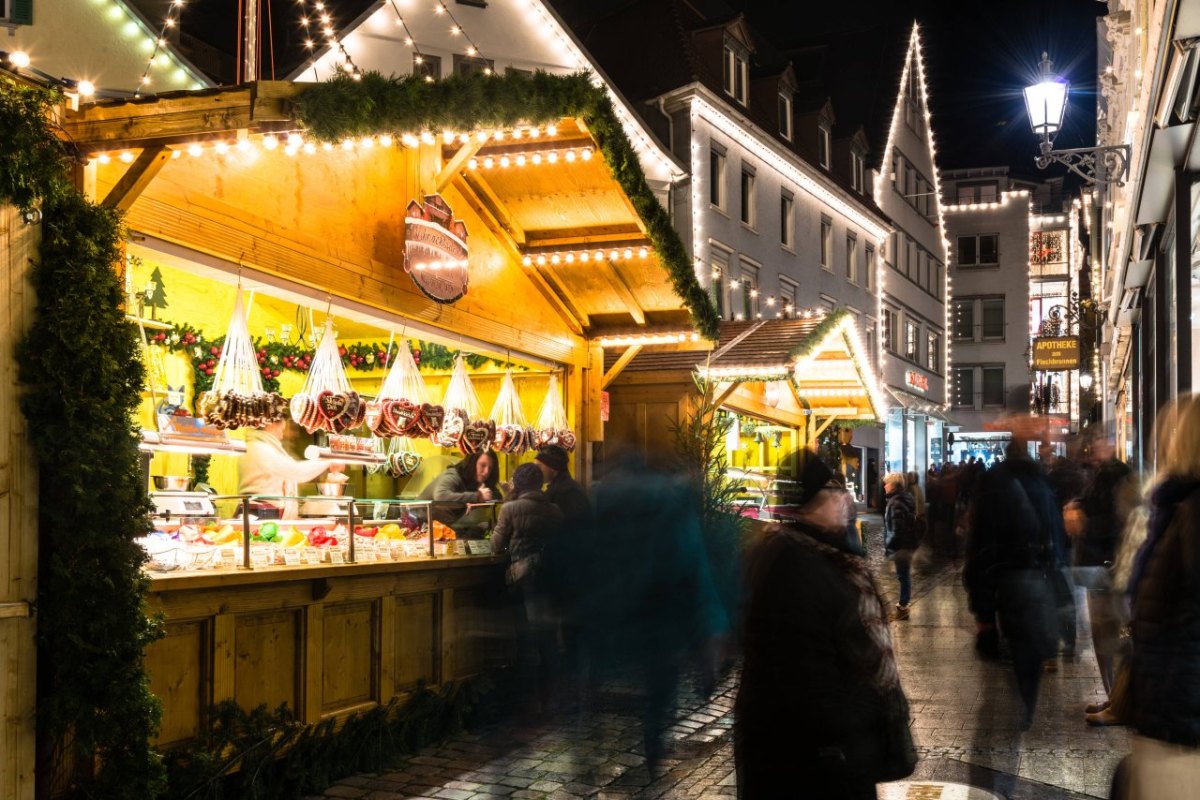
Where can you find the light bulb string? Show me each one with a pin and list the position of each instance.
(409, 39)
(473, 51)
(160, 41)
(325, 17)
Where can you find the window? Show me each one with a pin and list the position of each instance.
(737, 72)
(527, 73)
(977, 192)
(428, 67)
(787, 297)
(978, 250)
(869, 263)
(934, 352)
(748, 198)
(993, 317)
(787, 223)
(872, 339)
(858, 172)
(16, 12)
(889, 330)
(473, 65)
(473, 3)
(716, 177)
(993, 386)
(939, 282)
(823, 147)
(912, 99)
(785, 115)
(720, 268)
(962, 320)
(912, 333)
(827, 243)
(851, 258)
(749, 284)
(963, 392)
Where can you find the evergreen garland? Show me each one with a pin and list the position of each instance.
(82, 379)
(344, 107)
(32, 169)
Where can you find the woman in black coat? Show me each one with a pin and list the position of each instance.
(820, 712)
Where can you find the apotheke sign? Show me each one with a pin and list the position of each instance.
(435, 249)
(1056, 353)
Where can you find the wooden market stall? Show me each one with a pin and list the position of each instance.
(226, 186)
(799, 375)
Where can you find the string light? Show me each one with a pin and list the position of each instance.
(542, 258)
(645, 339)
(160, 42)
(325, 17)
(526, 159)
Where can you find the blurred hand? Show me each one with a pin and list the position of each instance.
(485, 493)
(337, 467)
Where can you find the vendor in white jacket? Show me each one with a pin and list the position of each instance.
(268, 469)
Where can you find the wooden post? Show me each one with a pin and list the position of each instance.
(18, 520)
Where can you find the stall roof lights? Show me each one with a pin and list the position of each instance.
(583, 256)
(649, 339)
(532, 159)
(778, 371)
(435, 266)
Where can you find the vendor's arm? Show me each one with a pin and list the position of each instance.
(448, 488)
(283, 466)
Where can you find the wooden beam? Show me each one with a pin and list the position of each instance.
(143, 170)
(14, 610)
(821, 428)
(584, 236)
(618, 283)
(488, 199)
(622, 362)
(554, 282)
(724, 395)
(559, 303)
(454, 166)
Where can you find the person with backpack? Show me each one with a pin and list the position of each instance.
(901, 537)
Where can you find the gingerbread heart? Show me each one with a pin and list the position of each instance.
(476, 437)
(567, 440)
(410, 461)
(406, 418)
(431, 418)
(395, 465)
(332, 404)
(373, 416)
(305, 412)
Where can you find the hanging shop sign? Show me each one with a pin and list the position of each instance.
(916, 380)
(435, 249)
(1056, 353)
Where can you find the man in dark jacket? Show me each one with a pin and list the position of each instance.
(901, 538)
(1015, 547)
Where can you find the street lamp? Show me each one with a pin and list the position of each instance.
(1085, 381)
(1046, 103)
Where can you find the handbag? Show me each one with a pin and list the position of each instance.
(523, 570)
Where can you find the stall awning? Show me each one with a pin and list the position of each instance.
(821, 357)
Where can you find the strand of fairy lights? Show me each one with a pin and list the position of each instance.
(583, 256)
(457, 30)
(322, 13)
(160, 41)
(409, 39)
(535, 158)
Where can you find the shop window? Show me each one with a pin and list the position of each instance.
(963, 391)
(748, 197)
(993, 386)
(787, 221)
(993, 317)
(827, 243)
(716, 176)
(428, 67)
(473, 65)
(978, 250)
(912, 335)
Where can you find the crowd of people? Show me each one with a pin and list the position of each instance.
(811, 626)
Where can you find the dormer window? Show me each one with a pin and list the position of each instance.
(858, 172)
(785, 115)
(823, 145)
(737, 71)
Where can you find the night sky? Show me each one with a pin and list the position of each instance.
(979, 55)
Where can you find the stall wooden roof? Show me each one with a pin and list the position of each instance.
(536, 215)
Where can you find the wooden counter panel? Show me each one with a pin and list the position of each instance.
(178, 665)
(267, 650)
(351, 650)
(415, 641)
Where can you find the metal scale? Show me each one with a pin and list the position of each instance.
(173, 505)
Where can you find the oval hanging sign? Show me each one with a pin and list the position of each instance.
(435, 249)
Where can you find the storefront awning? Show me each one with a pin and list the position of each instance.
(816, 365)
(918, 405)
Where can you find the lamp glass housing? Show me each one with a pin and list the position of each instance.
(1046, 102)
(1085, 381)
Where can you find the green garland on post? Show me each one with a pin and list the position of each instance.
(344, 107)
(82, 381)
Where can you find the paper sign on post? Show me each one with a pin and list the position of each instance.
(312, 555)
(336, 556)
(259, 557)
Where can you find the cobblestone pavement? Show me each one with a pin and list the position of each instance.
(966, 727)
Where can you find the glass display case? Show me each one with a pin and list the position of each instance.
(195, 532)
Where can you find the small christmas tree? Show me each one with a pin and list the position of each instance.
(156, 293)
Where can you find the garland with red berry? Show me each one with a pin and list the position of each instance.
(276, 357)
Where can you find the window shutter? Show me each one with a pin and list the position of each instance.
(21, 12)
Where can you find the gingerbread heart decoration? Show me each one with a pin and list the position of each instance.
(567, 440)
(373, 416)
(431, 418)
(305, 412)
(410, 461)
(405, 418)
(476, 437)
(332, 404)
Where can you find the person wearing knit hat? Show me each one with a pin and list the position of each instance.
(817, 660)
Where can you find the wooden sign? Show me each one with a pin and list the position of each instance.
(1056, 353)
(435, 249)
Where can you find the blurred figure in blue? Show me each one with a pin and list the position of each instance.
(901, 536)
(1165, 591)
(655, 603)
(820, 712)
(1015, 553)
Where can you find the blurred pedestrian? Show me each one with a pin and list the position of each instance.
(656, 603)
(820, 712)
(855, 541)
(1014, 553)
(901, 538)
(1165, 592)
(527, 525)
